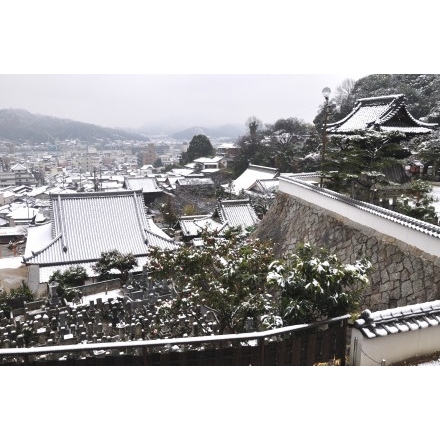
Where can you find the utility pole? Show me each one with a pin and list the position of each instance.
(326, 93)
(94, 179)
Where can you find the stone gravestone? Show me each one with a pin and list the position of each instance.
(138, 330)
(63, 322)
(53, 295)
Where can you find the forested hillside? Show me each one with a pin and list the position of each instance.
(22, 126)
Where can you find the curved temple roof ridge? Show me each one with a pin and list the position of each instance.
(374, 112)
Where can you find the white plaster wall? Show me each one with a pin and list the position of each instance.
(423, 241)
(394, 348)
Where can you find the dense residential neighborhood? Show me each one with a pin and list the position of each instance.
(291, 244)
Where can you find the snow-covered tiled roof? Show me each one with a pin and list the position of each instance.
(398, 320)
(251, 175)
(146, 184)
(23, 213)
(86, 224)
(60, 190)
(265, 185)
(7, 194)
(12, 230)
(38, 237)
(18, 167)
(383, 113)
(181, 171)
(192, 226)
(237, 213)
(205, 160)
(194, 181)
(37, 191)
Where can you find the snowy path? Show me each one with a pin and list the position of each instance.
(436, 193)
(11, 262)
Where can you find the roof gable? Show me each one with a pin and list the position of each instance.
(237, 213)
(192, 226)
(251, 175)
(18, 167)
(382, 113)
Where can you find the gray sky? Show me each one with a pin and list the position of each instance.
(222, 62)
(132, 100)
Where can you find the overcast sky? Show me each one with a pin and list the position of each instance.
(193, 62)
(115, 100)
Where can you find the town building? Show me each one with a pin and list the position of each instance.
(18, 175)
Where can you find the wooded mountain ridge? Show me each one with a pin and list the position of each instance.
(19, 125)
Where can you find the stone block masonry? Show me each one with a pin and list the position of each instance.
(402, 274)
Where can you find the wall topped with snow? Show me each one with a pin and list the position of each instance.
(403, 273)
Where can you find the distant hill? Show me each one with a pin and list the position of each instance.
(21, 126)
(157, 129)
(232, 131)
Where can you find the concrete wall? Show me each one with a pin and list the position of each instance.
(402, 272)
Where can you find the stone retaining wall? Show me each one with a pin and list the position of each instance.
(100, 286)
(402, 274)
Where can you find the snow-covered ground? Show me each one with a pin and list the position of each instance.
(11, 262)
(434, 363)
(85, 300)
(436, 194)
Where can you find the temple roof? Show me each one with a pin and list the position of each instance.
(84, 225)
(248, 178)
(146, 184)
(381, 113)
(193, 225)
(237, 213)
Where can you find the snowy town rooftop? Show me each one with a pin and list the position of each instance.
(146, 184)
(237, 213)
(193, 225)
(248, 178)
(381, 113)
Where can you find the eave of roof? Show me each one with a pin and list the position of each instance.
(398, 320)
(373, 113)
